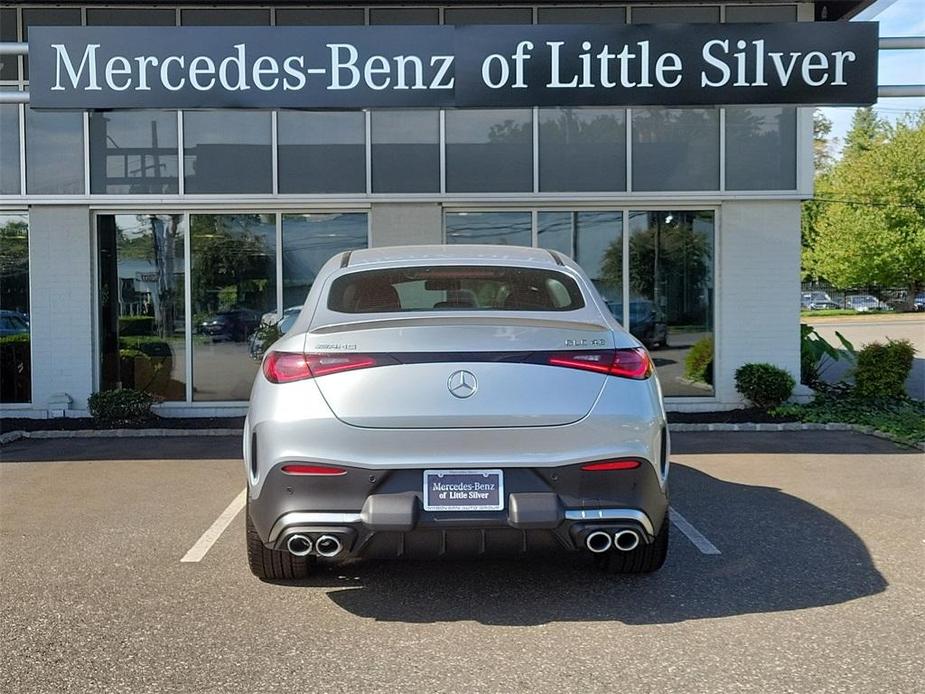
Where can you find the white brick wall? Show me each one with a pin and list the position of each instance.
(61, 307)
(758, 302)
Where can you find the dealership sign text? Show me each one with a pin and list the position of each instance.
(465, 66)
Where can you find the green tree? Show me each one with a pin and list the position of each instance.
(870, 228)
(822, 145)
(866, 132)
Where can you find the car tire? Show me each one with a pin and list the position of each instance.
(271, 564)
(642, 560)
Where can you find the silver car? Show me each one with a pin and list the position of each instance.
(435, 401)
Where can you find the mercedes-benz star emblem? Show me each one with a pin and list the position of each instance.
(462, 384)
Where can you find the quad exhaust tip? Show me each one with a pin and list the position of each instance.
(299, 545)
(626, 540)
(598, 541)
(328, 546)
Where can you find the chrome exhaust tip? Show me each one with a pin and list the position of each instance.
(626, 540)
(328, 546)
(298, 545)
(598, 541)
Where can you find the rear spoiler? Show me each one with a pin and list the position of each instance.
(457, 320)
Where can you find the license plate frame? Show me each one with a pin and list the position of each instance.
(457, 482)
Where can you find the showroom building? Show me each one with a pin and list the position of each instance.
(145, 247)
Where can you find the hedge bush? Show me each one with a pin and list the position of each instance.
(698, 364)
(881, 370)
(136, 325)
(126, 406)
(764, 385)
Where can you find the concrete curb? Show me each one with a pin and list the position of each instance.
(11, 436)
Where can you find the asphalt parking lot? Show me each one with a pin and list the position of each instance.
(816, 584)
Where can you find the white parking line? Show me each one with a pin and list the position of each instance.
(204, 543)
(692, 534)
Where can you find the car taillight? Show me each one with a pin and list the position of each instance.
(605, 465)
(285, 367)
(625, 363)
(300, 469)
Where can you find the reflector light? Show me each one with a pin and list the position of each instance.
(299, 469)
(626, 363)
(611, 465)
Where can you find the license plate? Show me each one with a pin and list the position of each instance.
(463, 490)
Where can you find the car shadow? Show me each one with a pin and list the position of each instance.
(779, 553)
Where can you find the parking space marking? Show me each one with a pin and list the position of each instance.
(692, 534)
(208, 538)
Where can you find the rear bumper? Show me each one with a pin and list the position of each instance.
(380, 513)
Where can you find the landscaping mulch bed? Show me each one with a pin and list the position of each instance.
(84, 423)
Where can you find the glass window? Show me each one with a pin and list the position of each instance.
(501, 228)
(9, 149)
(765, 135)
(406, 151)
(404, 15)
(54, 152)
(142, 307)
(761, 13)
(133, 152)
(47, 17)
(9, 64)
(322, 151)
(227, 152)
(581, 15)
(488, 15)
(582, 149)
(595, 241)
(309, 241)
(225, 17)
(489, 151)
(15, 350)
(454, 288)
(320, 17)
(120, 17)
(675, 149)
(675, 15)
(671, 296)
(233, 291)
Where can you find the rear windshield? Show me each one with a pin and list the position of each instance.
(452, 288)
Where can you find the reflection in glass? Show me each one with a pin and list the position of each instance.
(309, 240)
(227, 152)
(582, 149)
(404, 15)
(501, 228)
(674, 15)
(489, 150)
(233, 287)
(322, 151)
(406, 151)
(121, 17)
(133, 152)
(225, 17)
(319, 16)
(595, 241)
(488, 15)
(671, 277)
(9, 64)
(675, 149)
(15, 351)
(46, 17)
(766, 135)
(54, 152)
(142, 308)
(9, 149)
(581, 15)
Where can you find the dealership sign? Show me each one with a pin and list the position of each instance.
(463, 66)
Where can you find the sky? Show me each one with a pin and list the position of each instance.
(902, 18)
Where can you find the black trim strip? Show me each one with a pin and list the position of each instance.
(345, 261)
(555, 256)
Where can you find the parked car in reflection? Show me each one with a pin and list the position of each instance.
(264, 335)
(816, 301)
(13, 323)
(864, 303)
(645, 323)
(918, 303)
(234, 325)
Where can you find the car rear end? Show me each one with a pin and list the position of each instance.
(427, 404)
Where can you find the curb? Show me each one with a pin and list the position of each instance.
(11, 436)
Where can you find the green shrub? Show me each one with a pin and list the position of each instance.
(882, 370)
(764, 385)
(136, 325)
(126, 406)
(817, 355)
(698, 364)
(15, 368)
